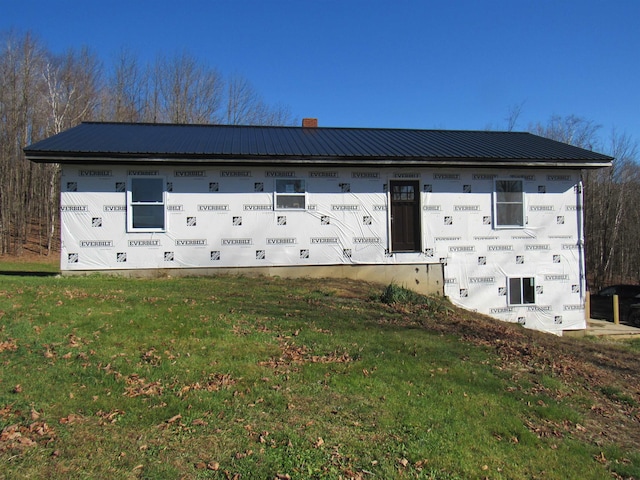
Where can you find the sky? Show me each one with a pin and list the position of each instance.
(447, 64)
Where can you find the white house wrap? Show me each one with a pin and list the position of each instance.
(510, 239)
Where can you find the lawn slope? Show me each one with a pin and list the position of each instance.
(233, 377)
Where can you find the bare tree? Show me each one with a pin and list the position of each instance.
(186, 91)
(125, 94)
(73, 85)
(571, 129)
(610, 199)
(245, 106)
(72, 90)
(513, 116)
(42, 94)
(243, 102)
(611, 219)
(21, 61)
(279, 115)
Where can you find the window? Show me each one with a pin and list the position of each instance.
(522, 291)
(403, 192)
(290, 194)
(145, 205)
(509, 204)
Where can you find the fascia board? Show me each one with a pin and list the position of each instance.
(72, 158)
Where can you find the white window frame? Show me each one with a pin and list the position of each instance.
(291, 191)
(497, 204)
(517, 286)
(131, 204)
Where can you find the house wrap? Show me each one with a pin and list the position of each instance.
(492, 220)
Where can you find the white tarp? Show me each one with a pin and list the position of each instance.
(225, 217)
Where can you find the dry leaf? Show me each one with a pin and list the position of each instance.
(601, 458)
(27, 442)
(240, 455)
(9, 345)
(71, 418)
(174, 418)
(111, 417)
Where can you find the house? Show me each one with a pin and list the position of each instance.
(493, 220)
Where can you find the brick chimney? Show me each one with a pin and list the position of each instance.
(310, 122)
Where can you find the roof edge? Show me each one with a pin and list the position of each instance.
(42, 157)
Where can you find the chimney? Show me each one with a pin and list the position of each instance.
(310, 123)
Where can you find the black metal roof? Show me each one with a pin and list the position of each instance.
(94, 142)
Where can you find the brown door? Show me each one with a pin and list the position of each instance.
(405, 216)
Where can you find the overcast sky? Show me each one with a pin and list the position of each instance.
(454, 64)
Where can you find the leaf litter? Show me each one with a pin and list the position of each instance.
(527, 354)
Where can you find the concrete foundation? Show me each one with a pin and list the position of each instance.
(427, 279)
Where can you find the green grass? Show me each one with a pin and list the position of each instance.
(46, 266)
(635, 344)
(107, 377)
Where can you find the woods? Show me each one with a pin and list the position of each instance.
(611, 196)
(42, 93)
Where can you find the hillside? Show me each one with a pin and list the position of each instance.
(235, 378)
(608, 370)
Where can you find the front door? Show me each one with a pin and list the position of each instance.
(405, 216)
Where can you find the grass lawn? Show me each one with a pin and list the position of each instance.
(233, 377)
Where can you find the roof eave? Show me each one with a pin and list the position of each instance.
(195, 159)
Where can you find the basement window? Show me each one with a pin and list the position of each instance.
(522, 291)
(508, 204)
(146, 205)
(290, 194)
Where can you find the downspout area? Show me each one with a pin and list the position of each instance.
(581, 241)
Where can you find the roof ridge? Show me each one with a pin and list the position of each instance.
(297, 127)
